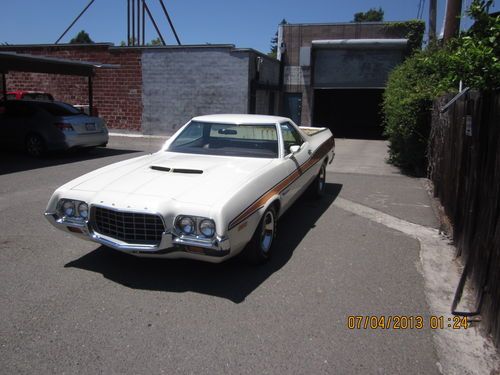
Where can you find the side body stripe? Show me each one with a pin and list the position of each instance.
(260, 202)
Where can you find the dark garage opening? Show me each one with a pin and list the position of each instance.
(349, 113)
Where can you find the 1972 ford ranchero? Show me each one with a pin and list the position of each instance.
(216, 188)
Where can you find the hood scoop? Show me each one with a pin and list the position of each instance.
(176, 170)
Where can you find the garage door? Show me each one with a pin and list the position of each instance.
(349, 113)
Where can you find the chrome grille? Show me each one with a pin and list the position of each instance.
(130, 227)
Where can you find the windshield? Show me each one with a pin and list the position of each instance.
(248, 140)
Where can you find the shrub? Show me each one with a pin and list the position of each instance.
(416, 83)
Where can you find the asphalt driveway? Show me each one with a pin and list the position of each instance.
(70, 306)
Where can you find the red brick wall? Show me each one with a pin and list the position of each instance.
(117, 92)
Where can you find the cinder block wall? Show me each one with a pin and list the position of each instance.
(180, 83)
(117, 92)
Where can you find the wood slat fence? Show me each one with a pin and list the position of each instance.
(464, 166)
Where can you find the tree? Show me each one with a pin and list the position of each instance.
(81, 38)
(155, 42)
(274, 42)
(373, 15)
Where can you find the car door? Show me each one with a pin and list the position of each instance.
(295, 163)
(15, 121)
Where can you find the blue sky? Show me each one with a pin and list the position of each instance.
(243, 23)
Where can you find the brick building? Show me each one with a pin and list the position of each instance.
(155, 90)
(334, 74)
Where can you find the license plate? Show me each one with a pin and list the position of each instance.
(90, 126)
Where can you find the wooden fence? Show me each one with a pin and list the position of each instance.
(464, 165)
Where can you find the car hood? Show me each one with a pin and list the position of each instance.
(196, 179)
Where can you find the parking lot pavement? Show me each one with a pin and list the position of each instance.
(70, 306)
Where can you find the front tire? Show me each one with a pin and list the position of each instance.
(35, 145)
(259, 248)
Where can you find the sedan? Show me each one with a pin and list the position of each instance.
(41, 126)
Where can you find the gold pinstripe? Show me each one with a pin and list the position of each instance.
(318, 155)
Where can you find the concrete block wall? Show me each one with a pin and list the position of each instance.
(180, 83)
(117, 92)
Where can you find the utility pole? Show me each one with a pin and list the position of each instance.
(452, 19)
(432, 20)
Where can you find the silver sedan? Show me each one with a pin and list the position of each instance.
(38, 127)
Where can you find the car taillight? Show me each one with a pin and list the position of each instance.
(63, 126)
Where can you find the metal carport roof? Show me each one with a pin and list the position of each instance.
(16, 62)
(11, 61)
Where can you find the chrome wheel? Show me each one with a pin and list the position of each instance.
(267, 234)
(260, 247)
(321, 179)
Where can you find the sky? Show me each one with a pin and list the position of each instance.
(246, 24)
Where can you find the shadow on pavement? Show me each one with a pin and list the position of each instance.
(233, 279)
(12, 161)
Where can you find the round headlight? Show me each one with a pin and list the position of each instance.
(207, 228)
(83, 210)
(68, 208)
(186, 225)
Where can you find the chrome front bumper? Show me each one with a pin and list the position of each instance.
(170, 242)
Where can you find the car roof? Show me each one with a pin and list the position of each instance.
(241, 119)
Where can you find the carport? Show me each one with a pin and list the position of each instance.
(349, 77)
(15, 62)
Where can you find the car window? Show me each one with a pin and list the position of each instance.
(243, 132)
(291, 136)
(193, 132)
(59, 109)
(248, 140)
(37, 96)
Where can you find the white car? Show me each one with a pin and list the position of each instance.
(216, 188)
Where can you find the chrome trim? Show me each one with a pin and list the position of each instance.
(54, 217)
(119, 242)
(217, 243)
(169, 239)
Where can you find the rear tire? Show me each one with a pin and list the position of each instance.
(259, 248)
(35, 145)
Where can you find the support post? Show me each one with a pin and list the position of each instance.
(153, 21)
(133, 22)
(4, 87)
(143, 25)
(91, 97)
(74, 21)
(170, 22)
(432, 20)
(128, 22)
(138, 23)
(452, 19)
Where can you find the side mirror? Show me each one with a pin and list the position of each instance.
(294, 149)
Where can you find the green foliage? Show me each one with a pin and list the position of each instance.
(414, 85)
(372, 15)
(155, 42)
(274, 42)
(81, 38)
(412, 30)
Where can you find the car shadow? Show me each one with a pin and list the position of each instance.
(233, 280)
(16, 161)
